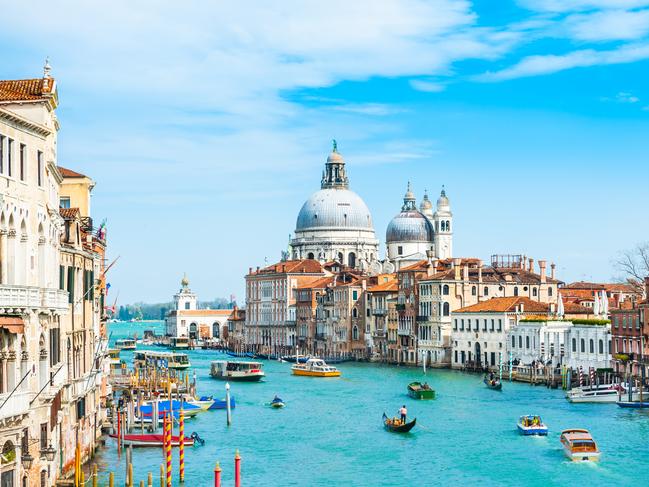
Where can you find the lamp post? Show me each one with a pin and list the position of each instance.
(27, 460)
(49, 453)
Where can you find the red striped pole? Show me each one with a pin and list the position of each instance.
(181, 445)
(217, 475)
(237, 469)
(169, 440)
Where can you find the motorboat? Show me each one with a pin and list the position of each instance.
(531, 425)
(157, 440)
(604, 393)
(396, 425)
(208, 403)
(302, 359)
(125, 344)
(243, 371)
(633, 404)
(277, 403)
(417, 390)
(579, 446)
(163, 360)
(315, 367)
(179, 343)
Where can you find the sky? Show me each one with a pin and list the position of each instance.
(206, 125)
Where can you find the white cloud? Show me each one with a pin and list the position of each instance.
(624, 97)
(429, 86)
(377, 109)
(580, 5)
(608, 25)
(548, 64)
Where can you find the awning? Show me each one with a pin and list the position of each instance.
(13, 324)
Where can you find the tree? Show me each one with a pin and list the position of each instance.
(634, 264)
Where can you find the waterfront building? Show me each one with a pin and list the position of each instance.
(619, 295)
(480, 331)
(462, 282)
(271, 302)
(236, 329)
(628, 339)
(558, 342)
(379, 296)
(306, 303)
(188, 320)
(334, 224)
(414, 233)
(83, 327)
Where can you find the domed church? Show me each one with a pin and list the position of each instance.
(413, 232)
(335, 223)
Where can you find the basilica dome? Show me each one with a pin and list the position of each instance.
(409, 226)
(334, 208)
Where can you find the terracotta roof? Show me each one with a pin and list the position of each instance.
(26, 89)
(598, 286)
(576, 309)
(391, 285)
(69, 213)
(491, 275)
(13, 324)
(291, 267)
(421, 265)
(69, 173)
(505, 305)
(204, 312)
(318, 283)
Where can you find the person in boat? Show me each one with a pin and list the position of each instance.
(425, 386)
(277, 399)
(403, 413)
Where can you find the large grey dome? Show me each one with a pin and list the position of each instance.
(334, 208)
(409, 226)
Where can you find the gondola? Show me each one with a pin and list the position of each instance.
(402, 428)
(496, 385)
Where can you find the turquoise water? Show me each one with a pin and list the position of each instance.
(330, 432)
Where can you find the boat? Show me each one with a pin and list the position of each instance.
(604, 393)
(579, 446)
(208, 403)
(154, 440)
(189, 410)
(531, 425)
(633, 404)
(315, 367)
(167, 360)
(417, 390)
(125, 344)
(277, 403)
(494, 384)
(113, 356)
(293, 359)
(179, 343)
(395, 425)
(237, 370)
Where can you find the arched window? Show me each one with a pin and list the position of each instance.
(486, 291)
(601, 346)
(445, 290)
(520, 342)
(310, 255)
(549, 291)
(583, 345)
(527, 342)
(574, 344)
(43, 478)
(591, 346)
(216, 330)
(515, 290)
(8, 452)
(355, 333)
(448, 226)
(354, 313)
(351, 259)
(474, 291)
(340, 257)
(446, 309)
(513, 341)
(443, 226)
(534, 292)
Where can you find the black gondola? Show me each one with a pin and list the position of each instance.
(402, 428)
(495, 384)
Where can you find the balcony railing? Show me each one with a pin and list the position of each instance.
(17, 405)
(404, 331)
(33, 297)
(379, 311)
(422, 318)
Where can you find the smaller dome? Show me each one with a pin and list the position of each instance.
(185, 281)
(442, 201)
(409, 226)
(426, 204)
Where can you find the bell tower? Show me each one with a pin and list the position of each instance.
(185, 299)
(443, 218)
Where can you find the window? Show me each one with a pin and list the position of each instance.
(71, 284)
(354, 295)
(62, 277)
(2, 153)
(486, 291)
(455, 326)
(354, 313)
(484, 325)
(492, 325)
(455, 356)
(462, 325)
(446, 309)
(10, 149)
(500, 325)
(520, 342)
(513, 341)
(310, 255)
(39, 162)
(624, 322)
(527, 342)
(574, 344)
(591, 346)
(445, 290)
(55, 346)
(43, 436)
(477, 325)
(367, 313)
(601, 346)
(515, 290)
(474, 291)
(355, 333)
(583, 345)
(187, 305)
(549, 291)
(399, 250)
(64, 202)
(534, 292)
(23, 162)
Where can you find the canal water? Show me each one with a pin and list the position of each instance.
(330, 433)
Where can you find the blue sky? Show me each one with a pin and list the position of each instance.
(206, 126)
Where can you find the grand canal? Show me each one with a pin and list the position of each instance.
(330, 432)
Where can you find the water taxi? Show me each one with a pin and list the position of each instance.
(169, 360)
(579, 446)
(179, 343)
(113, 356)
(125, 344)
(237, 371)
(417, 390)
(604, 393)
(531, 425)
(315, 367)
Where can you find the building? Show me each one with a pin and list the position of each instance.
(187, 320)
(306, 304)
(379, 297)
(619, 295)
(83, 327)
(271, 303)
(480, 331)
(628, 339)
(414, 233)
(335, 223)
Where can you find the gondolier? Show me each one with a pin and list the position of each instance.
(404, 413)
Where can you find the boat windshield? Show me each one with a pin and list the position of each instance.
(180, 358)
(584, 445)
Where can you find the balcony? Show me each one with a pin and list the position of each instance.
(17, 298)
(378, 333)
(16, 406)
(404, 331)
(379, 311)
(422, 318)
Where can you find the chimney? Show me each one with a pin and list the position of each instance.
(521, 308)
(429, 255)
(542, 270)
(257, 268)
(480, 270)
(456, 266)
(552, 268)
(283, 268)
(523, 264)
(531, 265)
(249, 270)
